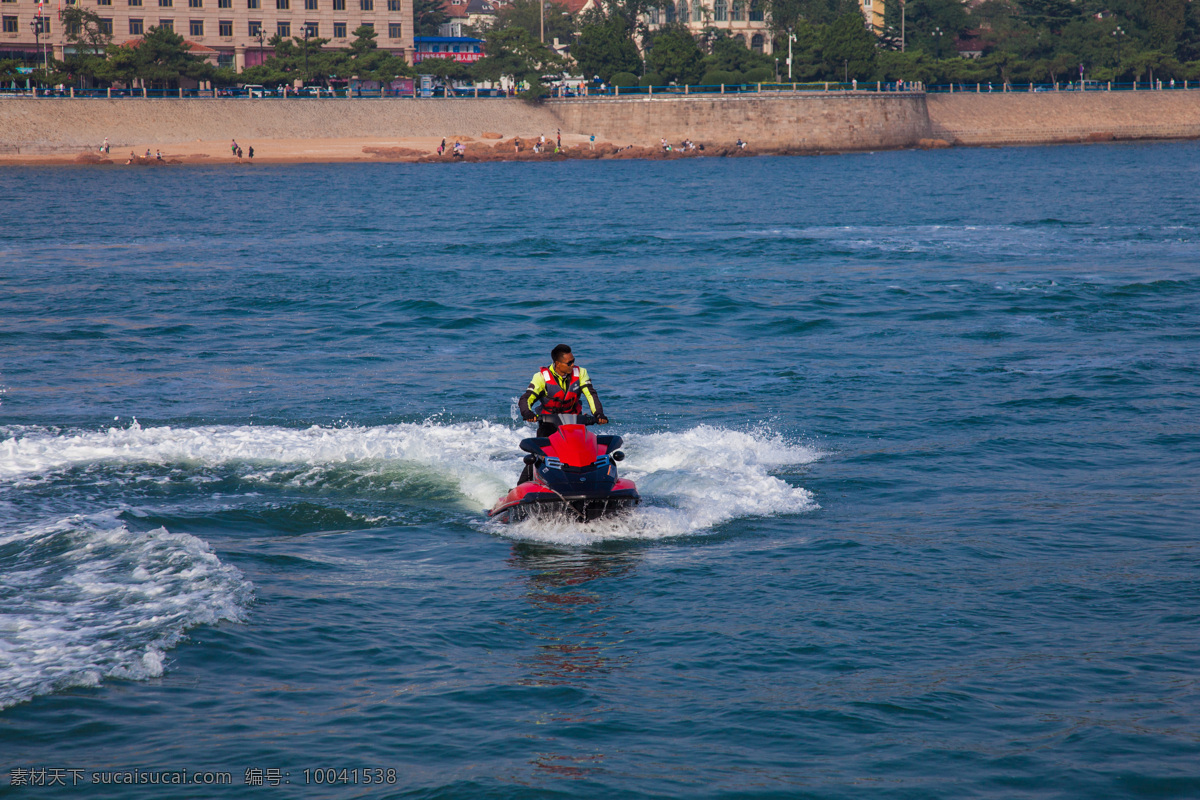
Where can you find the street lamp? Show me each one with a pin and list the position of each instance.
(38, 26)
(306, 34)
(791, 38)
(937, 32)
(1117, 33)
(260, 38)
(901, 26)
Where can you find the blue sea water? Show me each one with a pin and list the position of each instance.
(916, 433)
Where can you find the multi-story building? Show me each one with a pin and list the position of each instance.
(745, 20)
(238, 30)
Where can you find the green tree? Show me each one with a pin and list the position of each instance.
(605, 47)
(517, 54)
(85, 30)
(674, 55)
(524, 14)
(160, 58)
(785, 15)
(428, 16)
(8, 70)
(849, 49)
(730, 55)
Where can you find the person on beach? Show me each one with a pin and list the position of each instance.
(441, 148)
(239, 153)
(558, 140)
(559, 389)
(104, 147)
(592, 141)
(516, 145)
(250, 152)
(233, 147)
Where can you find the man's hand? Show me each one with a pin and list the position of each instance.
(529, 416)
(601, 420)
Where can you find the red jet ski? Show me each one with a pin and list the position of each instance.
(574, 475)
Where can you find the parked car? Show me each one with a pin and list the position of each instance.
(254, 90)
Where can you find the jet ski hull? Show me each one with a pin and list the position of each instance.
(534, 500)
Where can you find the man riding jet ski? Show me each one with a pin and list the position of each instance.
(568, 469)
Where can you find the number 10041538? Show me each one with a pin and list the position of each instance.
(358, 775)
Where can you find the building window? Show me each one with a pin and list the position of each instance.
(396, 31)
(195, 3)
(652, 15)
(339, 30)
(682, 11)
(10, 24)
(366, 5)
(252, 5)
(167, 24)
(135, 2)
(720, 11)
(166, 3)
(104, 2)
(756, 44)
(255, 28)
(310, 5)
(339, 5)
(225, 27)
(106, 26)
(735, 10)
(282, 5)
(393, 5)
(283, 28)
(135, 27)
(224, 3)
(756, 11)
(368, 25)
(196, 27)
(312, 30)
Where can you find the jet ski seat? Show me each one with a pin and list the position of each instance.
(609, 443)
(534, 445)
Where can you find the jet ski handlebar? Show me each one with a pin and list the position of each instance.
(567, 419)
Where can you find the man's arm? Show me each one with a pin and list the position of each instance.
(589, 392)
(537, 387)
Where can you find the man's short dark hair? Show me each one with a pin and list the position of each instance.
(559, 351)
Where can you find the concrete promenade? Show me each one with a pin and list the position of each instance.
(779, 122)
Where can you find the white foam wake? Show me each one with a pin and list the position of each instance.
(690, 481)
(85, 598)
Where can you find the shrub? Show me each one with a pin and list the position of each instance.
(623, 79)
(760, 75)
(652, 79)
(718, 77)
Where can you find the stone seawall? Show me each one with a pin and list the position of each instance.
(787, 121)
(778, 122)
(1048, 117)
(29, 125)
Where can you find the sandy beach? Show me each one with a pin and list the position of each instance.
(365, 150)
